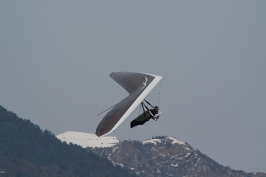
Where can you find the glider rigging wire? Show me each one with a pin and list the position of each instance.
(107, 109)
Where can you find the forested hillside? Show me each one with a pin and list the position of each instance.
(28, 151)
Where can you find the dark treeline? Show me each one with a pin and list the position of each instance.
(28, 151)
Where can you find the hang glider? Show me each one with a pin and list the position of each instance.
(138, 85)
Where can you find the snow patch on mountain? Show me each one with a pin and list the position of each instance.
(176, 141)
(92, 140)
(152, 141)
(155, 141)
(2, 171)
(87, 139)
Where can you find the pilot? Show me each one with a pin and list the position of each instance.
(142, 119)
(155, 112)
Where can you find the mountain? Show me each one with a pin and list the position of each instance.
(28, 151)
(161, 156)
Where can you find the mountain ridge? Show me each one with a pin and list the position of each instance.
(165, 156)
(28, 151)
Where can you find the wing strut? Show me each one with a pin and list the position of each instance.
(143, 104)
(148, 103)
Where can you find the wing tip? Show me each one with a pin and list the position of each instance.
(99, 134)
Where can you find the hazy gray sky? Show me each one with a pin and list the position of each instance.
(56, 57)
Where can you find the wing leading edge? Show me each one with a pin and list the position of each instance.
(138, 85)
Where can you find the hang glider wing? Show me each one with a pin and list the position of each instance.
(138, 85)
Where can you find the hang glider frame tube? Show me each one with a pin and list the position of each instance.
(138, 101)
(143, 105)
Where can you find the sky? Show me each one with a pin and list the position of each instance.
(56, 57)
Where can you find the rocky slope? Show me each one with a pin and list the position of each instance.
(166, 156)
